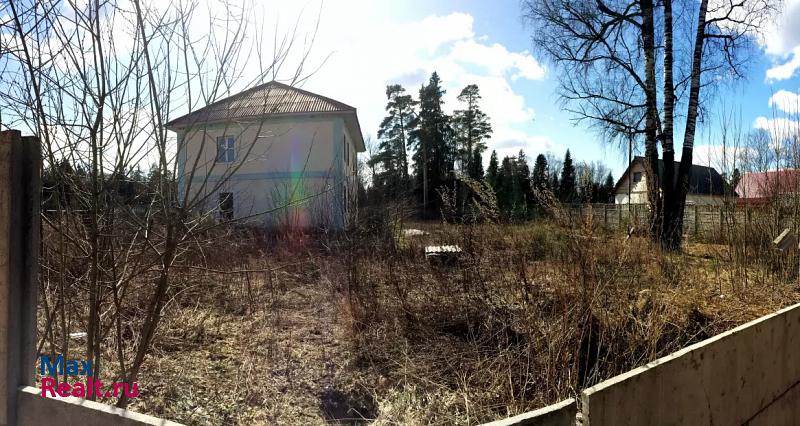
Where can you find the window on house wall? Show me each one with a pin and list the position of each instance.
(637, 177)
(226, 149)
(226, 206)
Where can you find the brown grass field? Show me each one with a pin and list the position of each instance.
(362, 328)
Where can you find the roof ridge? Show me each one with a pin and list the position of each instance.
(291, 99)
(333, 101)
(220, 101)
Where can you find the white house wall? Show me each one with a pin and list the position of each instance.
(638, 192)
(289, 167)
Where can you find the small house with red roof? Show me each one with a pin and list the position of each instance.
(756, 188)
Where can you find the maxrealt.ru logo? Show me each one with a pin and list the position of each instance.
(92, 387)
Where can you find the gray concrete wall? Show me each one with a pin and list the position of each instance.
(35, 410)
(749, 375)
(20, 187)
(560, 414)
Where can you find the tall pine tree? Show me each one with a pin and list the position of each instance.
(472, 128)
(394, 135)
(435, 154)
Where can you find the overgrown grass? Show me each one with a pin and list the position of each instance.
(297, 330)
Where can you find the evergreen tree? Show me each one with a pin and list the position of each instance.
(432, 137)
(608, 189)
(523, 177)
(472, 128)
(539, 179)
(476, 169)
(394, 133)
(507, 185)
(493, 171)
(566, 188)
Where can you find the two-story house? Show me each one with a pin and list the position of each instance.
(274, 155)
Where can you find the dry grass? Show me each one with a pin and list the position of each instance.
(363, 328)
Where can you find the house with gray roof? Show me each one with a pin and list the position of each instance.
(274, 155)
(706, 186)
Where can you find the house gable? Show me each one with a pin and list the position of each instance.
(703, 180)
(270, 100)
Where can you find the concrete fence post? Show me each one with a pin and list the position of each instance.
(20, 185)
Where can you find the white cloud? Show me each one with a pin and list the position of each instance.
(497, 60)
(513, 140)
(781, 40)
(723, 158)
(783, 34)
(786, 101)
(381, 50)
(779, 128)
(787, 69)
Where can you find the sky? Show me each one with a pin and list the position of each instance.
(360, 46)
(371, 43)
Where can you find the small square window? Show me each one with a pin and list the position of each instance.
(226, 149)
(637, 177)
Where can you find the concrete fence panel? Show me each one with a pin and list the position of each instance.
(559, 414)
(35, 410)
(749, 375)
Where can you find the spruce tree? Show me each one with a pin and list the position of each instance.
(566, 188)
(432, 138)
(539, 178)
(608, 189)
(523, 175)
(507, 185)
(493, 171)
(476, 168)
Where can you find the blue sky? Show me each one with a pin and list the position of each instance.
(373, 43)
(360, 46)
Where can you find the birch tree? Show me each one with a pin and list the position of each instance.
(97, 81)
(638, 68)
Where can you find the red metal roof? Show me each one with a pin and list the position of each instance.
(766, 185)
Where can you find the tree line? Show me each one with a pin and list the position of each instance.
(446, 149)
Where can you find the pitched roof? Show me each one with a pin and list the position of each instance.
(271, 98)
(703, 180)
(765, 185)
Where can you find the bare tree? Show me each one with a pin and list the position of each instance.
(619, 59)
(97, 82)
